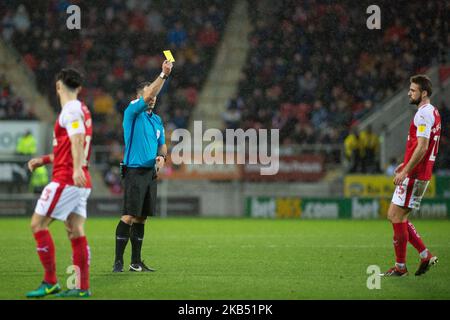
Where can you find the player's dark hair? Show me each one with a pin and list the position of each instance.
(72, 78)
(142, 85)
(423, 82)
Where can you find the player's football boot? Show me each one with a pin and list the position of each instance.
(44, 290)
(395, 272)
(118, 266)
(140, 267)
(425, 264)
(74, 293)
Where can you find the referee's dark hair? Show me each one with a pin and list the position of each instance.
(71, 77)
(423, 82)
(141, 86)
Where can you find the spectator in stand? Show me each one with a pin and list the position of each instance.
(306, 87)
(177, 36)
(319, 115)
(11, 106)
(39, 179)
(179, 119)
(155, 22)
(130, 22)
(443, 159)
(370, 147)
(232, 117)
(7, 26)
(21, 19)
(113, 180)
(208, 38)
(103, 104)
(312, 51)
(26, 145)
(353, 151)
(112, 27)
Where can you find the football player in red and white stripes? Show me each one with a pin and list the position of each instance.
(65, 197)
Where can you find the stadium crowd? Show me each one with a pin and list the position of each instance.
(119, 44)
(315, 70)
(12, 106)
(443, 159)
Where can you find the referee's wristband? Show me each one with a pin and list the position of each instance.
(164, 76)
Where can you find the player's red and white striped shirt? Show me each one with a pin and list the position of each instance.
(75, 118)
(426, 123)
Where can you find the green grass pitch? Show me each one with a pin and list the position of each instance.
(211, 258)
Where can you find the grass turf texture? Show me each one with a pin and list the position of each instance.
(235, 259)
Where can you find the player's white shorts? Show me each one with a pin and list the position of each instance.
(410, 193)
(58, 201)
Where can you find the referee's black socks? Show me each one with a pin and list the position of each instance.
(122, 236)
(136, 237)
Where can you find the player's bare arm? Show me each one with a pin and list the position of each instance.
(419, 153)
(77, 147)
(151, 91)
(40, 161)
(398, 168)
(160, 159)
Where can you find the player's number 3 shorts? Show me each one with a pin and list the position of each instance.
(410, 193)
(58, 201)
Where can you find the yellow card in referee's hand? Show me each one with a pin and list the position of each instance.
(169, 55)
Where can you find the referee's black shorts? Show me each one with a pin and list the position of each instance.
(139, 192)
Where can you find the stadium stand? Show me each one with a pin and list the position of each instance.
(12, 106)
(122, 46)
(312, 73)
(443, 160)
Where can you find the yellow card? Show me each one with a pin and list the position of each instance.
(169, 55)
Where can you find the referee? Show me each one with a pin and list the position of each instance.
(145, 153)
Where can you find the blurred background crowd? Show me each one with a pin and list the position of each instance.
(119, 46)
(311, 72)
(11, 105)
(314, 74)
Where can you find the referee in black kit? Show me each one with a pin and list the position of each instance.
(145, 153)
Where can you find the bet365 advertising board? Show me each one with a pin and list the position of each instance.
(337, 208)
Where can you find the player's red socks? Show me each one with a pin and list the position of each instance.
(81, 257)
(46, 251)
(415, 239)
(400, 241)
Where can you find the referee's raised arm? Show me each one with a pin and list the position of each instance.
(151, 91)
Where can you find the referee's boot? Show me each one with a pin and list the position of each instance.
(118, 266)
(140, 267)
